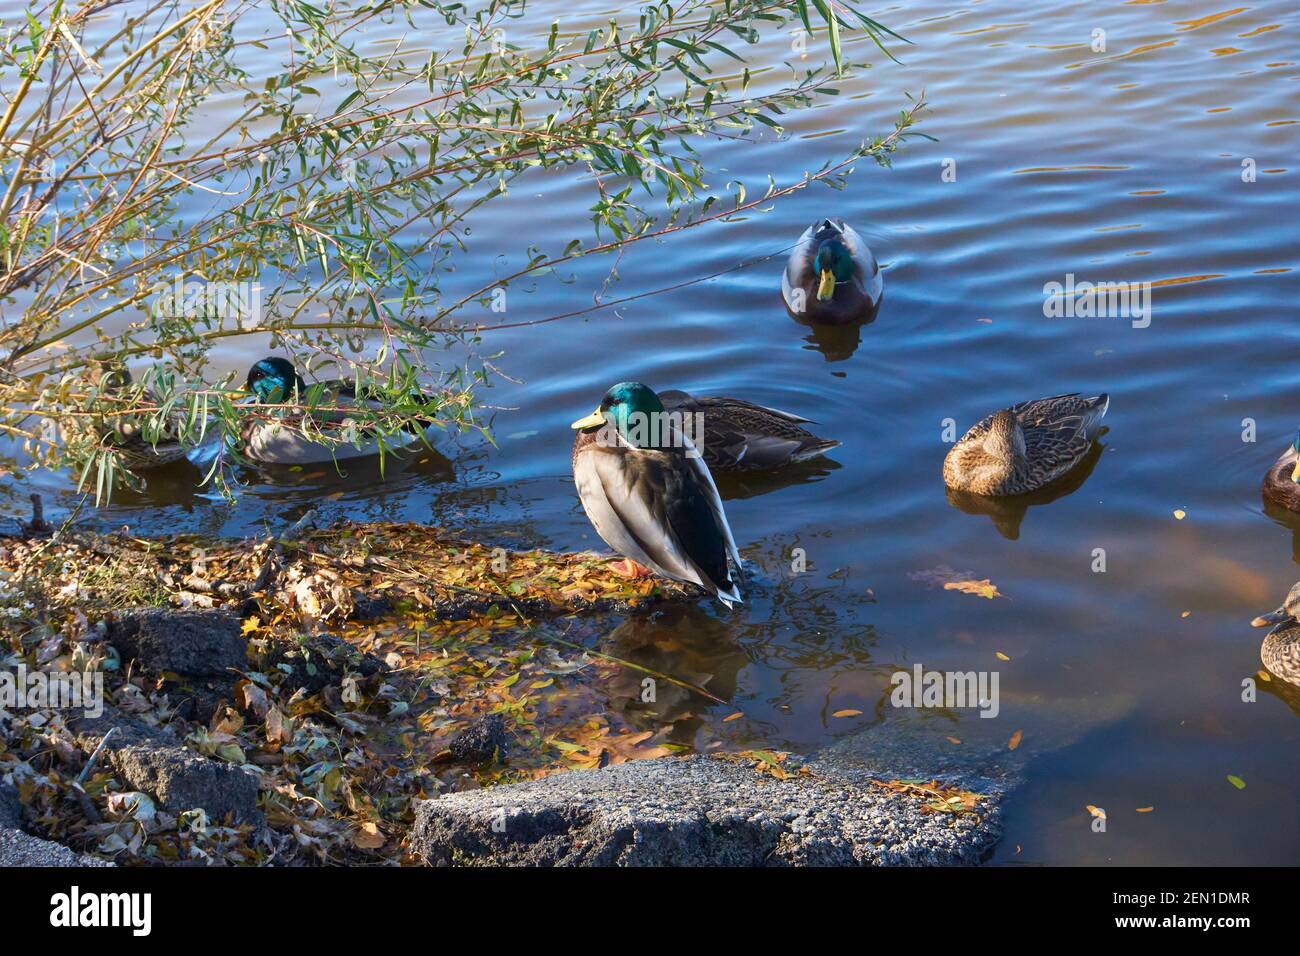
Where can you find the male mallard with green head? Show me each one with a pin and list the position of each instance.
(1023, 448)
(832, 276)
(741, 436)
(649, 495)
(1282, 483)
(274, 381)
(1280, 651)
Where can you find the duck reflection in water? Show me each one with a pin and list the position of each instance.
(1007, 513)
(1283, 516)
(752, 484)
(836, 342)
(682, 642)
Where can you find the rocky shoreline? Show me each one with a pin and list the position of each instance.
(213, 743)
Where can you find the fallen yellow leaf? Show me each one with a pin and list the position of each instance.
(1014, 742)
(847, 712)
(730, 717)
(1097, 811)
(954, 740)
(1002, 657)
(984, 588)
(1145, 809)
(1180, 514)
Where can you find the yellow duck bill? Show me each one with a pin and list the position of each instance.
(594, 420)
(826, 288)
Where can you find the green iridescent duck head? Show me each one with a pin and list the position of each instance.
(273, 380)
(632, 409)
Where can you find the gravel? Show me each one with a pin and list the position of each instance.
(18, 848)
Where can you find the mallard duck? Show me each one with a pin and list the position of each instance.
(143, 445)
(1007, 513)
(1282, 483)
(648, 493)
(1280, 651)
(273, 381)
(832, 276)
(1022, 448)
(737, 435)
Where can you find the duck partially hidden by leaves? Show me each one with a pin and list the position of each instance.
(1282, 483)
(831, 276)
(1280, 651)
(649, 494)
(740, 436)
(1022, 448)
(281, 441)
(144, 441)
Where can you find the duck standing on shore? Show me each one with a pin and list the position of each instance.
(831, 276)
(1280, 651)
(1024, 447)
(649, 494)
(1282, 482)
(741, 436)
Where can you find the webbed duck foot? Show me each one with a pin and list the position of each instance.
(627, 568)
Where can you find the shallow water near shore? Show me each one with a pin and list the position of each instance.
(1123, 165)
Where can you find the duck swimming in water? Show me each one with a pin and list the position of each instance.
(1023, 448)
(1282, 482)
(741, 436)
(143, 443)
(274, 381)
(649, 494)
(1280, 651)
(831, 276)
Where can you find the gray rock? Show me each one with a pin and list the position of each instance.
(22, 849)
(18, 848)
(694, 811)
(483, 740)
(182, 780)
(152, 759)
(199, 643)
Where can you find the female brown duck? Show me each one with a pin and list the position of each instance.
(1024, 447)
